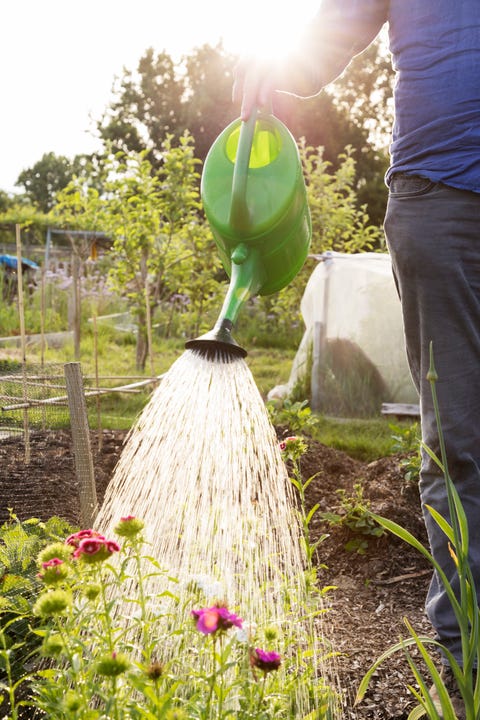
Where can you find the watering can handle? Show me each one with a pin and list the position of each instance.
(239, 215)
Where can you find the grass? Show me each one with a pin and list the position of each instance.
(365, 439)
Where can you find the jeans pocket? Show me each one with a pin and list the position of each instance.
(402, 185)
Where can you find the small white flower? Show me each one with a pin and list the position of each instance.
(246, 633)
(210, 587)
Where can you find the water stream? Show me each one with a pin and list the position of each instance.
(202, 468)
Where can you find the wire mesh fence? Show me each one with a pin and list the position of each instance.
(55, 458)
(32, 397)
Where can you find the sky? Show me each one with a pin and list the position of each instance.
(59, 60)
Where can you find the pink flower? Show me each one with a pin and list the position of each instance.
(77, 537)
(112, 546)
(54, 562)
(54, 571)
(288, 441)
(215, 619)
(293, 447)
(95, 548)
(265, 660)
(207, 620)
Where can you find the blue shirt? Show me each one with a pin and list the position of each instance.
(435, 46)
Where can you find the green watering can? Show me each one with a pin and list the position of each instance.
(255, 200)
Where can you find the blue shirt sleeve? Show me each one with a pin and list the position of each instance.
(340, 30)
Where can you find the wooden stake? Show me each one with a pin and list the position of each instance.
(149, 324)
(21, 313)
(81, 443)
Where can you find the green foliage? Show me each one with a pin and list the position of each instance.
(159, 243)
(161, 97)
(48, 176)
(292, 450)
(296, 416)
(364, 439)
(338, 224)
(92, 663)
(9, 365)
(262, 322)
(353, 513)
(147, 107)
(6, 201)
(407, 440)
(20, 543)
(33, 223)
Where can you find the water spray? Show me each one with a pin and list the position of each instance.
(254, 197)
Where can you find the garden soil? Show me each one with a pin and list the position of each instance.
(378, 582)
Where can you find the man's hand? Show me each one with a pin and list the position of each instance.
(254, 84)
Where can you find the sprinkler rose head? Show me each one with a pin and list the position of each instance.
(218, 344)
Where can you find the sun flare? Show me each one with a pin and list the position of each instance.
(267, 29)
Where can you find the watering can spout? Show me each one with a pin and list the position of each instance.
(247, 277)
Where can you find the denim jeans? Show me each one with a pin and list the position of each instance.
(433, 234)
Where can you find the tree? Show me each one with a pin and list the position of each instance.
(52, 173)
(207, 101)
(42, 181)
(147, 107)
(147, 214)
(6, 201)
(338, 223)
(163, 98)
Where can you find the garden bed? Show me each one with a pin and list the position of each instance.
(376, 588)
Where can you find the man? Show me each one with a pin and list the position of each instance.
(432, 226)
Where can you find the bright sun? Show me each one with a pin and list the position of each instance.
(265, 28)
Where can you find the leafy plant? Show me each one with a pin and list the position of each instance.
(296, 416)
(407, 441)
(354, 514)
(115, 650)
(292, 449)
(19, 545)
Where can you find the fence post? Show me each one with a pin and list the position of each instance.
(21, 313)
(81, 443)
(320, 331)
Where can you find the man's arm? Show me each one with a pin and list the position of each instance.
(340, 30)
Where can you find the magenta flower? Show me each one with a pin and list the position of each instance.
(293, 447)
(112, 546)
(89, 546)
(77, 537)
(215, 619)
(265, 660)
(129, 526)
(95, 548)
(54, 571)
(54, 562)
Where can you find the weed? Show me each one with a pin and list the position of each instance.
(407, 441)
(297, 416)
(353, 513)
